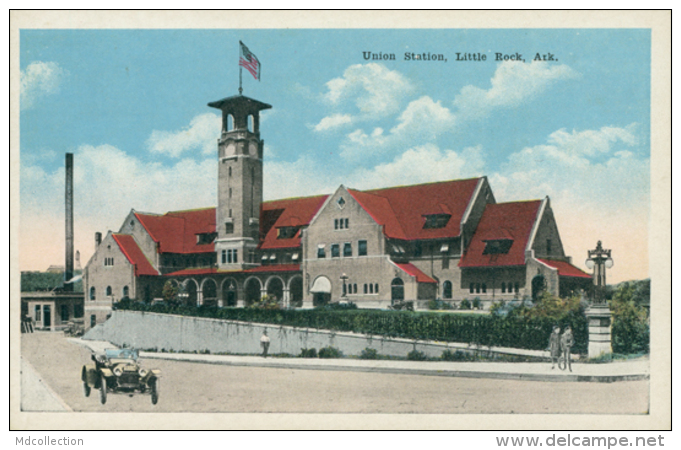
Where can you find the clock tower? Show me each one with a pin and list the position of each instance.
(240, 183)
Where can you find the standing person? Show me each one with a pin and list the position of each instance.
(566, 342)
(264, 343)
(554, 346)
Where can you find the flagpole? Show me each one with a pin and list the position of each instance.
(240, 89)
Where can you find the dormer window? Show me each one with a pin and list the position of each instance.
(497, 246)
(436, 221)
(205, 238)
(286, 232)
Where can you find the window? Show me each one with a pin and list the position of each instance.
(517, 288)
(92, 293)
(340, 202)
(548, 246)
(341, 224)
(418, 249)
(229, 256)
(109, 291)
(229, 227)
(471, 288)
(503, 288)
(126, 291)
(497, 246)
(93, 320)
(229, 171)
(477, 288)
(366, 288)
(205, 238)
(347, 249)
(286, 232)
(77, 311)
(376, 288)
(36, 313)
(335, 250)
(224, 257)
(436, 221)
(447, 289)
(371, 288)
(108, 261)
(321, 253)
(64, 313)
(354, 288)
(362, 248)
(484, 288)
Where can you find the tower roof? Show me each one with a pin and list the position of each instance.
(239, 102)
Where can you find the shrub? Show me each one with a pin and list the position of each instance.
(465, 304)
(630, 327)
(477, 303)
(369, 353)
(497, 307)
(330, 352)
(416, 355)
(458, 355)
(438, 305)
(337, 306)
(308, 353)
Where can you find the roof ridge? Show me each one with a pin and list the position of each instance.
(420, 184)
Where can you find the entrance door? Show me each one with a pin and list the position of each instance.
(47, 316)
(397, 290)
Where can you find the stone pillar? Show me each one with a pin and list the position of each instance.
(599, 318)
(199, 297)
(286, 301)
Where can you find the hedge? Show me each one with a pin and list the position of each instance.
(485, 330)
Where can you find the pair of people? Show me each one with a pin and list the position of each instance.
(560, 346)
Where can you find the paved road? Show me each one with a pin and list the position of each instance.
(196, 387)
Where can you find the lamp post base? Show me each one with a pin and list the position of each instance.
(600, 319)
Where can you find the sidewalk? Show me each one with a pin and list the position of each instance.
(607, 372)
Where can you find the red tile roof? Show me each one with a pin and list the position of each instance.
(175, 231)
(565, 269)
(402, 210)
(293, 212)
(259, 269)
(502, 221)
(415, 272)
(135, 256)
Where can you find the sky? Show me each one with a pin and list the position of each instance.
(131, 105)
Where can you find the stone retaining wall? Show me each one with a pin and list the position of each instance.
(166, 332)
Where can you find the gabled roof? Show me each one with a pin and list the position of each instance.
(135, 256)
(565, 269)
(175, 231)
(402, 210)
(502, 221)
(292, 212)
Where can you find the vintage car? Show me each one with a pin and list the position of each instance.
(117, 370)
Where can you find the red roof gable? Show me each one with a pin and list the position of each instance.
(502, 221)
(135, 256)
(175, 231)
(293, 212)
(402, 210)
(415, 272)
(565, 269)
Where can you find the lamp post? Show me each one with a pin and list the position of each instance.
(344, 278)
(599, 259)
(598, 315)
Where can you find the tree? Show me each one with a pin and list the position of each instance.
(169, 291)
(630, 327)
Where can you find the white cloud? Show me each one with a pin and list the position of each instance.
(599, 187)
(333, 121)
(513, 83)
(107, 184)
(40, 79)
(421, 164)
(200, 134)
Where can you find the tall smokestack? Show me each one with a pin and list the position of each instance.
(68, 266)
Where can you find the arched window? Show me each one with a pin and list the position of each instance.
(503, 288)
(477, 288)
(109, 291)
(376, 288)
(230, 122)
(126, 291)
(251, 123)
(447, 289)
(93, 296)
(517, 287)
(484, 288)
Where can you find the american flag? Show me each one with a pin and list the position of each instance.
(249, 61)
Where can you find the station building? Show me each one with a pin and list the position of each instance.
(446, 240)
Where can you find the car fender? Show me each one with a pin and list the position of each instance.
(106, 372)
(155, 373)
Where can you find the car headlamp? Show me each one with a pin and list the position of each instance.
(118, 371)
(143, 372)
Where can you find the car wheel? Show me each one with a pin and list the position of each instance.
(154, 391)
(86, 389)
(102, 390)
